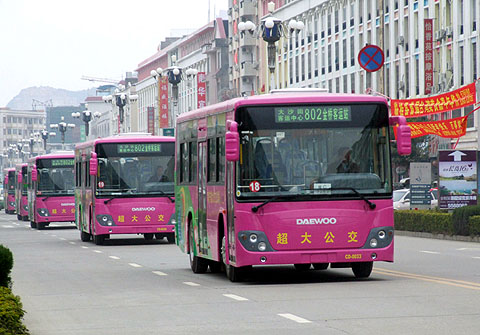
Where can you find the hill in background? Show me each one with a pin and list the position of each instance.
(59, 97)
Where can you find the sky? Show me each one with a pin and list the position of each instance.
(55, 42)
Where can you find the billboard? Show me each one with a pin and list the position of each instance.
(458, 178)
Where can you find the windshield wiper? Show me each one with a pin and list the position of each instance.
(256, 208)
(370, 204)
(108, 200)
(165, 194)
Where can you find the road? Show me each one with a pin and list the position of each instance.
(132, 286)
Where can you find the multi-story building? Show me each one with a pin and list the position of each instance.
(20, 134)
(325, 53)
(206, 51)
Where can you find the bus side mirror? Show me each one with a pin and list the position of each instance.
(34, 174)
(403, 135)
(232, 142)
(93, 164)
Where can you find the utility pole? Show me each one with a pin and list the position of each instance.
(381, 74)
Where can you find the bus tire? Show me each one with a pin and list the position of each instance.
(41, 225)
(148, 236)
(33, 224)
(171, 238)
(197, 264)
(302, 267)
(215, 267)
(19, 217)
(320, 266)
(235, 274)
(98, 239)
(85, 237)
(362, 269)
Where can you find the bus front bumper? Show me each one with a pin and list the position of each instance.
(102, 230)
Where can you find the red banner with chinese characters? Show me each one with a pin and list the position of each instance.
(163, 103)
(428, 55)
(451, 128)
(201, 89)
(150, 120)
(464, 96)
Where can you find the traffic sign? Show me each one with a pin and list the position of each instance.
(371, 58)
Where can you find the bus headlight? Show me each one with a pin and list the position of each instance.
(262, 246)
(373, 242)
(25, 208)
(253, 238)
(12, 204)
(381, 234)
(105, 220)
(379, 237)
(43, 212)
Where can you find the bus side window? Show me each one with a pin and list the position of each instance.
(221, 159)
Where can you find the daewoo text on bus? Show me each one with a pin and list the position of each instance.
(300, 178)
(50, 189)
(21, 199)
(124, 185)
(9, 190)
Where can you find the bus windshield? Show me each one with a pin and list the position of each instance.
(11, 182)
(135, 169)
(55, 177)
(313, 151)
(24, 181)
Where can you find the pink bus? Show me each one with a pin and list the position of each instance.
(300, 178)
(9, 190)
(124, 185)
(51, 189)
(21, 199)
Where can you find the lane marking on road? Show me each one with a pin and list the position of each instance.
(235, 297)
(189, 283)
(98, 251)
(72, 242)
(438, 280)
(476, 257)
(294, 318)
(45, 233)
(7, 226)
(159, 273)
(63, 239)
(462, 249)
(16, 224)
(84, 247)
(54, 235)
(114, 257)
(430, 252)
(135, 265)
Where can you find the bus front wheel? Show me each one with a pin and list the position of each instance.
(33, 224)
(85, 237)
(235, 274)
(362, 269)
(148, 236)
(198, 264)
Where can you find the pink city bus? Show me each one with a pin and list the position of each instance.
(51, 189)
(300, 178)
(21, 199)
(124, 185)
(9, 190)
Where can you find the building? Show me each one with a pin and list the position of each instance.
(20, 134)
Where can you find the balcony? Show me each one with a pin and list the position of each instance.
(248, 69)
(247, 8)
(248, 40)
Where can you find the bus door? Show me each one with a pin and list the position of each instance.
(202, 197)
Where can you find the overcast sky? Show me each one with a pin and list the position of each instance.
(55, 42)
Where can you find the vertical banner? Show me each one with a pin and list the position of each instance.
(163, 103)
(428, 54)
(201, 90)
(458, 178)
(151, 120)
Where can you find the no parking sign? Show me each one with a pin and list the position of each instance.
(371, 58)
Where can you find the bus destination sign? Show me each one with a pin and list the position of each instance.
(313, 114)
(133, 148)
(62, 162)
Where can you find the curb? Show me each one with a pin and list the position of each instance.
(438, 236)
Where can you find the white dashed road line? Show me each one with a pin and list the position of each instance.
(189, 283)
(72, 242)
(84, 247)
(476, 257)
(114, 257)
(7, 226)
(235, 297)
(159, 273)
(294, 318)
(98, 251)
(430, 252)
(135, 265)
(63, 239)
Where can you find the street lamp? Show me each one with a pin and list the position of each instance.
(45, 134)
(120, 99)
(62, 128)
(86, 117)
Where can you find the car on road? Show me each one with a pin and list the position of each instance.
(401, 198)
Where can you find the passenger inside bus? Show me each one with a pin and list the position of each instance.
(343, 163)
(159, 176)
